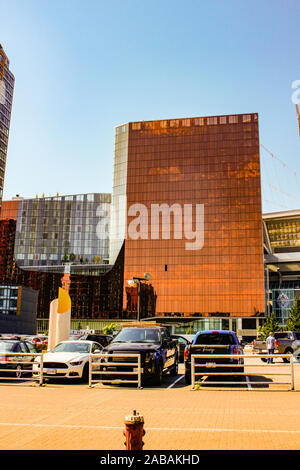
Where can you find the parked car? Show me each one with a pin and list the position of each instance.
(16, 362)
(103, 339)
(283, 344)
(214, 342)
(158, 351)
(296, 350)
(40, 342)
(32, 348)
(68, 359)
(183, 341)
(74, 337)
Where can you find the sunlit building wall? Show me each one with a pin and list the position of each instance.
(208, 161)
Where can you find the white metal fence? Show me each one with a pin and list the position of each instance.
(18, 366)
(267, 369)
(107, 366)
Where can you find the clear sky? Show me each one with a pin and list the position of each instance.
(84, 67)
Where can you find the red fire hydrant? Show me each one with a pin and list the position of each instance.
(134, 431)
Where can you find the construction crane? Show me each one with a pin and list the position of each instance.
(298, 116)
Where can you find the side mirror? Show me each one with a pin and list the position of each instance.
(97, 351)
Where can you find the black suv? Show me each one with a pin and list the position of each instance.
(159, 352)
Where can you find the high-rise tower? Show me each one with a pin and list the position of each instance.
(7, 82)
(187, 209)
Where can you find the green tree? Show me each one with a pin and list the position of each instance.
(72, 257)
(293, 321)
(109, 329)
(271, 324)
(65, 258)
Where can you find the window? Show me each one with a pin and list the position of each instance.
(212, 121)
(223, 120)
(136, 126)
(246, 117)
(233, 119)
(23, 348)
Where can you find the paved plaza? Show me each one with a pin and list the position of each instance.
(76, 417)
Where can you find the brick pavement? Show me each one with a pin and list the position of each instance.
(76, 417)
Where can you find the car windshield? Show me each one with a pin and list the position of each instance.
(138, 335)
(6, 346)
(76, 346)
(215, 338)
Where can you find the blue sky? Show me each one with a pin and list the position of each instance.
(84, 67)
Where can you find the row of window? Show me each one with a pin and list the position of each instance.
(213, 120)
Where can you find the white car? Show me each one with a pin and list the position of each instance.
(68, 359)
(296, 350)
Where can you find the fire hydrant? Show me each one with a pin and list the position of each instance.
(134, 431)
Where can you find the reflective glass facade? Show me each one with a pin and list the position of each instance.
(63, 228)
(212, 162)
(284, 233)
(7, 82)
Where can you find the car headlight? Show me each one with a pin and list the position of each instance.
(76, 363)
(150, 356)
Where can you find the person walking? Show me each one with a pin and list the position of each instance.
(270, 346)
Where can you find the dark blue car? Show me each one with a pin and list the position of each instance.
(214, 342)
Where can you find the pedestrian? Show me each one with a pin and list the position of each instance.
(270, 346)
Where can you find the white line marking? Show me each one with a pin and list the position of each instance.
(248, 382)
(75, 426)
(175, 382)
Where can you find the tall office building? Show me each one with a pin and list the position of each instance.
(7, 82)
(187, 207)
(58, 229)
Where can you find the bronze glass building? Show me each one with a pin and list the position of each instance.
(187, 207)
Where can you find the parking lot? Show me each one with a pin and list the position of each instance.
(76, 417)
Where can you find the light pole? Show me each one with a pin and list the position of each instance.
(138, 280)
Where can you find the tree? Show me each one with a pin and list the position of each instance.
(271, 324)
(65, 258)
(293, 321)
(72, 257)
(109, 329)
(96, 259)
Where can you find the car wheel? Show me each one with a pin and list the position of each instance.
(285, 359)
(174, 370)
(263, 359)
(158, 375)
(85, 374)
(187, 379)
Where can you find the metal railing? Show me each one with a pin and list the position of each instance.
(107, 361)
(14, 366)
(235, 365)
